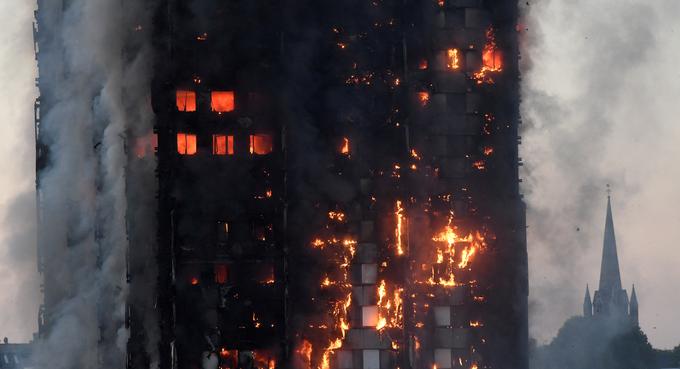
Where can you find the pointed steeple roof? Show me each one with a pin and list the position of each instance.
(587, 304)
(633, 298)
(610, 276)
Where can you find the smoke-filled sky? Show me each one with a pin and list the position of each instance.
(19, 283)
(601, 84)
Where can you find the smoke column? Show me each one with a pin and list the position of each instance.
(93, 77)
(600, 85)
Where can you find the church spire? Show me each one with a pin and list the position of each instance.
(610, 277)
(634, 307)
(587, 304)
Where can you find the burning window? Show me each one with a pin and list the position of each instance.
(262, 232)
(266, 275)
(229, 358)
(492, 59)
(452, 59)
(223, 145)
(186, 100)
(261, 144)
(145, 144)
(222, 101)
(344, 146)
(221, 273)
(186, 144)
(423, 98)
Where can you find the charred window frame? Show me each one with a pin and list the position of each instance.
(222, 230)
(262, 230)
(221, 273)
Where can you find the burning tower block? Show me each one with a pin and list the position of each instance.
(337, 187)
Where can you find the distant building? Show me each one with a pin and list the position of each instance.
(15, 355)
(610, 300)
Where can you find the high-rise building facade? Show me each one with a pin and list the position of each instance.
(333, 185)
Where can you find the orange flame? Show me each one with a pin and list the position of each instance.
(399, 229)
(452, 61)
(424, 98)
(344, 149)
(305, 350)
(336, 215)
(492, 59)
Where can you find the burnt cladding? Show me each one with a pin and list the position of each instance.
(338, 185)
(220, 182)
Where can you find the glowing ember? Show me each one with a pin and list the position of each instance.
(488, 151)
(424, 98)
(423, 64)
(336, 215)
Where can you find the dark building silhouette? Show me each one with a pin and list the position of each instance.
(610, 299)
(16, 355)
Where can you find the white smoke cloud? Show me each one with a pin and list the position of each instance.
(599, 102)
(91, 63)
(19, 279)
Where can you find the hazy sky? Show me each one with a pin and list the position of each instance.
(601, 89)
(601, 105)
(19, 286)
